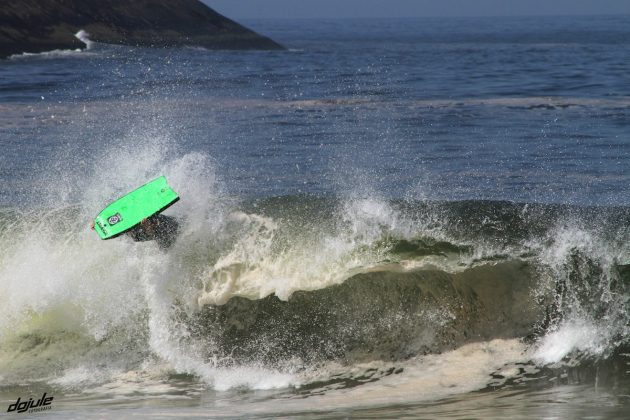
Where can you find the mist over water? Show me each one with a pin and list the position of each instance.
(389, 215)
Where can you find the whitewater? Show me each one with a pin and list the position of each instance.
(366, 238)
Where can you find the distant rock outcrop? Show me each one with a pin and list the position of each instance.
(43, 25)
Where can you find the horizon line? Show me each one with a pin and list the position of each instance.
(428, 16)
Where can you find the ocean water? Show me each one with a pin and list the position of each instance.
(414, 218)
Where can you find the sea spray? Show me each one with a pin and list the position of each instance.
(84, 37)
(589, 312)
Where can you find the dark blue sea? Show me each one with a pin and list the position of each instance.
(397, 218)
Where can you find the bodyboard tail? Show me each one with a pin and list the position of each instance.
(128, 211)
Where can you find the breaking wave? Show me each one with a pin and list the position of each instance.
(301, 291)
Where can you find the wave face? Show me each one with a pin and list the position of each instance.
(263, 293)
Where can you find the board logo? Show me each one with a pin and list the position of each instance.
(112, 220)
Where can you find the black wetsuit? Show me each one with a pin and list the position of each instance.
(159, 228)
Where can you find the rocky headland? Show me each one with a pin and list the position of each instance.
(43, 25)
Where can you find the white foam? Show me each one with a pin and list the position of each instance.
(44, 275)
(571, 336)
(84, 377)
(169, 341)
(49, 54)
(136, 384)
(251, 377)
(58, 276)
(259, 264)
(432, 377)
(84, 37)
(582, 266)
(423, 378)
(81, 35)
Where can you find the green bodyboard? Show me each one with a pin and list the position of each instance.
(129, 210)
